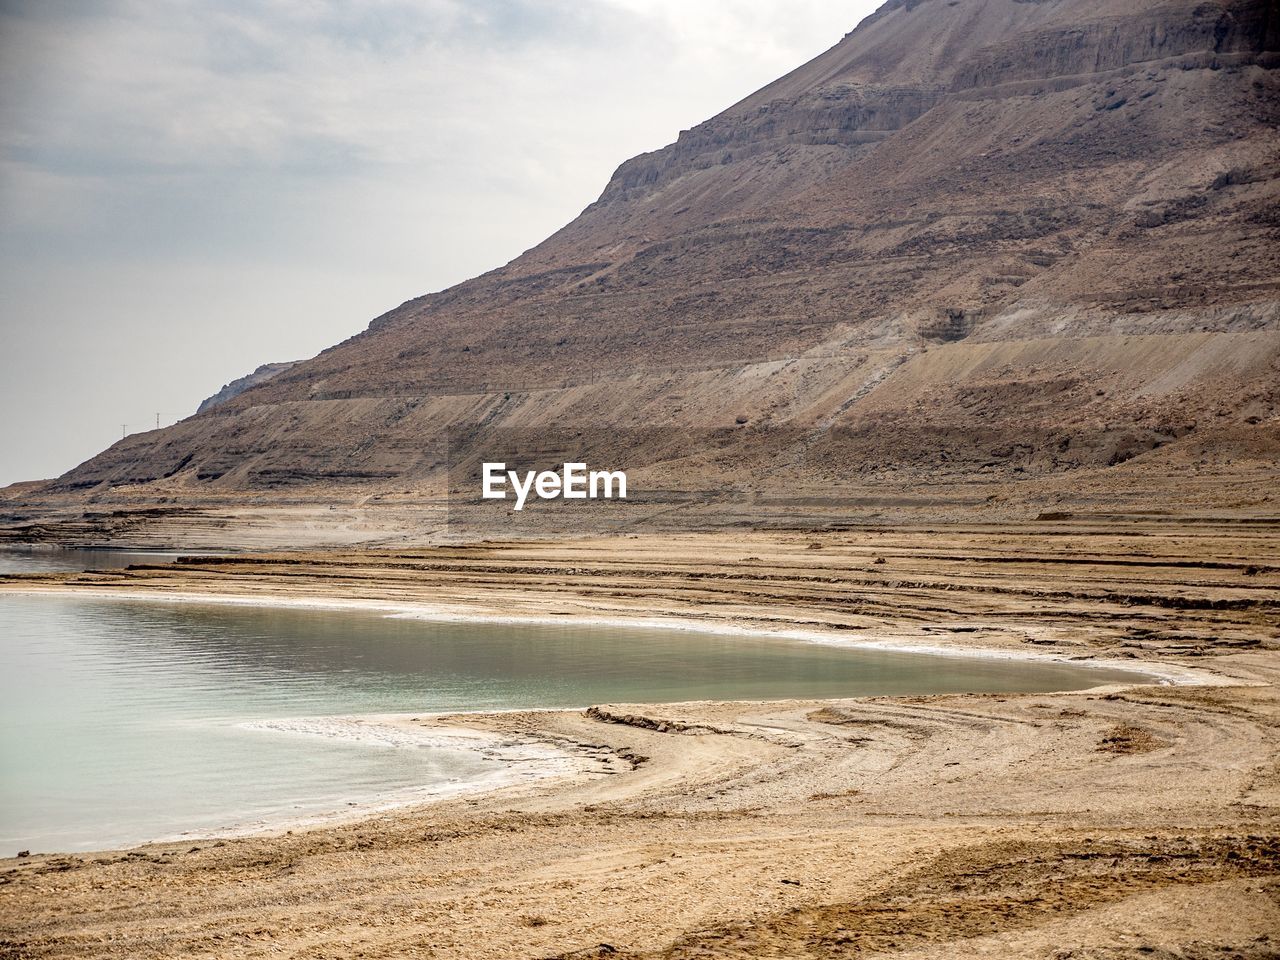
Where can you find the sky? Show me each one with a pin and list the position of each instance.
(190, 189)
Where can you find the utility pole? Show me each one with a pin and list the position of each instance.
(157, 421)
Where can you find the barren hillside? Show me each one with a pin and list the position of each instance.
(995, 255)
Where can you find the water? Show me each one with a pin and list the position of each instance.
(19, 559)
(122, 721)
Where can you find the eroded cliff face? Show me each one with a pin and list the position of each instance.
(844, 96)
(984, 240)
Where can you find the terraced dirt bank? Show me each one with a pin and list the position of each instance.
(1125, 821)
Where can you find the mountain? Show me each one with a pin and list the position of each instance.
(981, 257)
(238, 386)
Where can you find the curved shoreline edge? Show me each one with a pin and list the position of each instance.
(1022, 822)
(712, 624)
(571, 760)
(534, 760)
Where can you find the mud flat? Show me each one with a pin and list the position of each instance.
(1129, 820)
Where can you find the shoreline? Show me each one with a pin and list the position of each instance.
(540, 762)
(429, 727)
(1139, 814)
(1163, 673)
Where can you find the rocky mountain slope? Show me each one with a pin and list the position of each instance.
(238, 386)
(1000, 253)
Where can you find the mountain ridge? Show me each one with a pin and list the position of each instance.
(950, 178)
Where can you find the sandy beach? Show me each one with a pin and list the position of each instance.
(1128, 820)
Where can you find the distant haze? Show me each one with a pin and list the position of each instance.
(188, 190)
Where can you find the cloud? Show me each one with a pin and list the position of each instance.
(315, 88)
(299, 87)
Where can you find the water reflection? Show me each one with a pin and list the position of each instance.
(43, 559)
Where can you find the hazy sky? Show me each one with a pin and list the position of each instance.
(190, 189)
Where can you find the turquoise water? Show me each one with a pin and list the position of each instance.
(122, 721)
